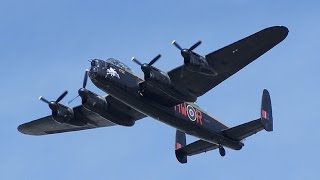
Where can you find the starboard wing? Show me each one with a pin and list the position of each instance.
(47, 125)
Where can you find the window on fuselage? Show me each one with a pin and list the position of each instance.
(118, 64)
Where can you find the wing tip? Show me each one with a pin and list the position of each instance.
(282, 31)
(24, 129)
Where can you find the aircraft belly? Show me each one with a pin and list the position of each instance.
(169, 116)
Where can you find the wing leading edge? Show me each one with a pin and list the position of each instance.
(47, 125)
(229, 60)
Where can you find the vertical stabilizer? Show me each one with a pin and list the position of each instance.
(180, 142)
(266, 111)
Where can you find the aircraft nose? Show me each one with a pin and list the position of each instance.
(94, 63)
(94, 68)
(97, 68)
(93, 72)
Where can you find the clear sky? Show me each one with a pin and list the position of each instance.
(45, 47)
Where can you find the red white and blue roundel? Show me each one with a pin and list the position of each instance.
(191, 113)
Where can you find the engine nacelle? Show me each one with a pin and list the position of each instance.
(63, 114)
(199, 64)
(158, 76)
(93, 102)
(100, 106)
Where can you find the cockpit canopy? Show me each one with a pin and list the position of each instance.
(118, 64)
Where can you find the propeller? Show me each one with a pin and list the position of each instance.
(186, 52)
(85, 79)
(144, 66)
(84, 84)
(53, 105)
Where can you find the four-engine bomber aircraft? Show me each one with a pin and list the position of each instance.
(166, 96)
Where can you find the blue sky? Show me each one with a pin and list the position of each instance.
(44, 48)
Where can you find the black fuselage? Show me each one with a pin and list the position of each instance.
(188, 117)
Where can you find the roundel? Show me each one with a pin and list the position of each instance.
(191, 113)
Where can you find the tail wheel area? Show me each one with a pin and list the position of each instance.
(222, 151)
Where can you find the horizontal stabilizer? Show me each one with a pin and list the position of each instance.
(183, 150)
(242, 131)
(197, 147)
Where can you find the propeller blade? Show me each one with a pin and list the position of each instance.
(85, 79)
(177, 45)
(194, 46)
(44, 100)
(72, 99)
(61, 96)
(154, 60)
(136, 61)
